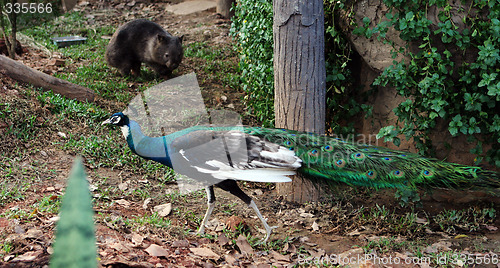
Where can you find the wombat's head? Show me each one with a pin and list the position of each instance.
(168, 51)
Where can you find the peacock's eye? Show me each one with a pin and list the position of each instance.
(115, 119)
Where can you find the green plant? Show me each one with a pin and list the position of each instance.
(470, 219)
(75, 237)
(343, 97)
(252, 28)
(440, 83)
(385, 244)
(153, 219)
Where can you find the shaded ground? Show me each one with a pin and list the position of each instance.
(352, 223)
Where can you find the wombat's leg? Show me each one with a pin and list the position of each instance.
(128, 65)
(136, 68)
(160, 69)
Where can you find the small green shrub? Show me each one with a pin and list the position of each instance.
(253, 29)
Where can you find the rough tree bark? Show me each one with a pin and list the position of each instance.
(299, 78)
(22, 73)
(224, 8)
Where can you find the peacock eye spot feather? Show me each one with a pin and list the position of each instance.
(288, 143)
(387, 159)
(293, 135)
(358, 156)
(371, 174)
(427, 173)
(398, 173)
(328, 148)
(340, 163)
(291, 148)
(313, 152)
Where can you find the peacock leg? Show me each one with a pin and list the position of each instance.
(269, 229)
(211, 205)
(232, 187)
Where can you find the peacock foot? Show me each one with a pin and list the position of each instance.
(201, 231)
(269, 229)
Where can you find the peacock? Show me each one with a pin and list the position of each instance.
(219, 156)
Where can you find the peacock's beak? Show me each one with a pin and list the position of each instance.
(107, 121)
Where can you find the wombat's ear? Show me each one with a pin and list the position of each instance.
(181, 38)
(161, 38)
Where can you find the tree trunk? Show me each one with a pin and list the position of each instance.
(299, 78)
(224, 8)
(22, 73)
(13, 39)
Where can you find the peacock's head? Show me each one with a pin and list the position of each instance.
(117, 119)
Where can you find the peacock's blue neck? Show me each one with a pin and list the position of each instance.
(152, 148)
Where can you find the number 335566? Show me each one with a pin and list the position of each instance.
(28, 8)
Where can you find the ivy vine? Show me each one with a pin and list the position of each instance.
(437, 86)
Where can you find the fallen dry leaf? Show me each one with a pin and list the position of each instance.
(180, 244)
(223, 240)
(279, 257)
(119, 247)
(346, 255)
(205, 252)
(439, 246)
(244, 246)
(306, 215)
(163, 210)
(123, 202)
(421, 220)
(233, 222)
(289, 248)
(491, 228)
(156, 251)
(146, 203)
(34, 233)
(123, 186)
(315, 226)
(28, 256)
(137, 239)
(230, 258)
(460, 236)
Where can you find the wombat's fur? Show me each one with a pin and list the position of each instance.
(144, 41)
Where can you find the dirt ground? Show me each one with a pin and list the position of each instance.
(328, 232)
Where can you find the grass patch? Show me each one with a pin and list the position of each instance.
(471, 219)
(215, 63)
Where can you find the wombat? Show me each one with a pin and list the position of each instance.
(144, 41)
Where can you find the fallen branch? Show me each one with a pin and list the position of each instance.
(23, 73)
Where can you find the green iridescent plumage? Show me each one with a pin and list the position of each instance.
(371, 166)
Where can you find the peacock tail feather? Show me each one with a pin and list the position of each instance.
(370, 166)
